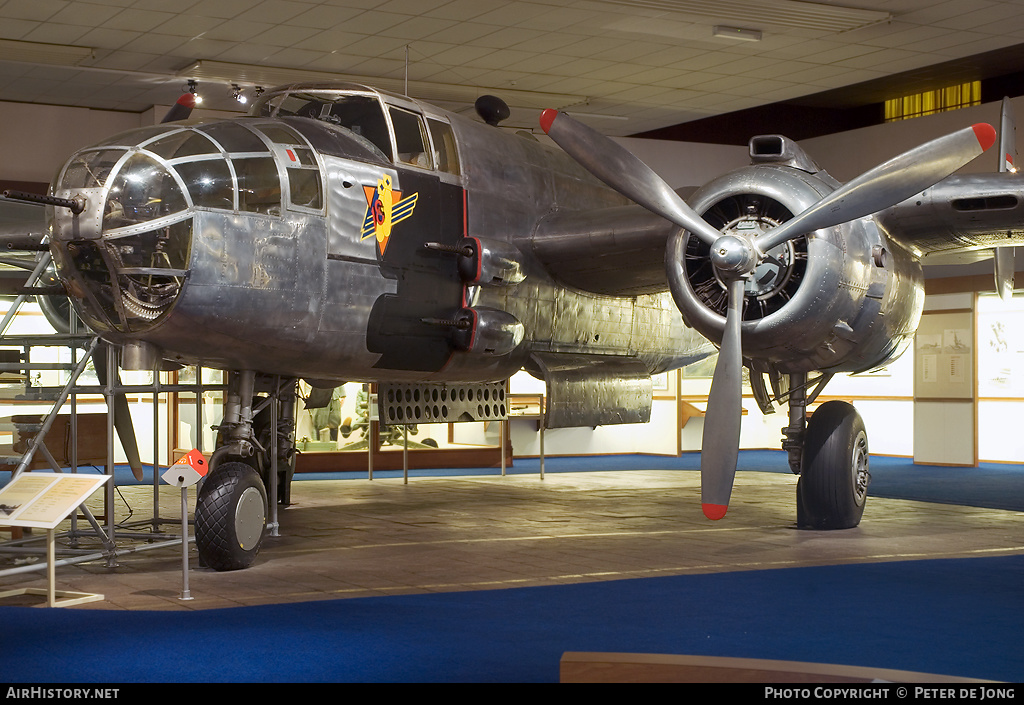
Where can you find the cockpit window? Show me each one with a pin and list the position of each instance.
(446, 156)
(361, 114)
(410, 139)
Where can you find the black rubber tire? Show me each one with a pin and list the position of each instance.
(832, 489)
(231, 517)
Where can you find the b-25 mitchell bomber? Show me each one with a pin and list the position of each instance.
(342, 233)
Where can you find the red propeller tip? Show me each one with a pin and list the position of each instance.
(985, 133)
(715, 511)
(546, 118)
(188, 100)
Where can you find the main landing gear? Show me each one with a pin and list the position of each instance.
(830, 454)
(250, 473)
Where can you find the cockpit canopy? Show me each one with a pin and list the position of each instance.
(392, 125)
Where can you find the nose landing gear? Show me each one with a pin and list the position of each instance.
(250, 469)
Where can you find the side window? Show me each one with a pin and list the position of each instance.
(259, 188)
(363, 116)
(445, 155)
(305, 188)
(410, 139)
(209, 182)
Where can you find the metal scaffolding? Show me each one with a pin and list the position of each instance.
(67, 357)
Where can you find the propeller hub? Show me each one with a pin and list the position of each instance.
(733, 256)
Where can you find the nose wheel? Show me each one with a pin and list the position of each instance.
(231, 517)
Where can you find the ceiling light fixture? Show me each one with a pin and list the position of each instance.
(47, 54)
(237, 94)
(193, 89)
(820, 16)
(737, 33)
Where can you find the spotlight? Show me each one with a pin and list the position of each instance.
(192, 87)
(236, 93)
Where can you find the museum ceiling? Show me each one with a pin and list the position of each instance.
(624, 66)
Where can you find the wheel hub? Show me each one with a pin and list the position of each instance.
(249, 518)
(859, 467)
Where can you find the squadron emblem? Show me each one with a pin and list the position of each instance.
(385, 207)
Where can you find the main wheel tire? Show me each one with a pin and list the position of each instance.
(833, 484)
(231, 517)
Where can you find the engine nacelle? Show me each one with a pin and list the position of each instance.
(840, 299)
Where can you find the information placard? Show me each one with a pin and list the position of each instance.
(43, 500)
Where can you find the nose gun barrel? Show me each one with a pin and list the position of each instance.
(75, 205)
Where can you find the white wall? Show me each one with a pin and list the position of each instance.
(683, 164)
(36, 140)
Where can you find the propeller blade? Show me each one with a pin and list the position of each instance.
(887, 184)
(623, 171)
(182, 109)
(721, 441)
(122, 413)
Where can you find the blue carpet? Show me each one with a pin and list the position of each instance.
(958, 617)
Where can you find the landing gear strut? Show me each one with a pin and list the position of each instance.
(250, 470)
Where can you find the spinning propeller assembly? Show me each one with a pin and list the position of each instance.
(736, 256)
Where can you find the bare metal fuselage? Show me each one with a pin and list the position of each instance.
(299, 287)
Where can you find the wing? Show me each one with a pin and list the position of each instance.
(616, 251)
(22, 225)
(970, 212)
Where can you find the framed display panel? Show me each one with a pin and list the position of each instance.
(1001, 347)
(945, 412)
(944, 356)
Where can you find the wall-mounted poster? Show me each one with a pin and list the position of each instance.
(1001, 347)
(944, 356)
